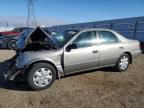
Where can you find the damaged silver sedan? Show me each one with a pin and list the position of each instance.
(42, 58)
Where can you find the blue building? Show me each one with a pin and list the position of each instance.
(132, 28)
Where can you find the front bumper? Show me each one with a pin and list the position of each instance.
(12, 72)
(10, 76)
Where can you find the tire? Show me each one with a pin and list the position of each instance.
(41, 76)
(12, 44)
(123, 63)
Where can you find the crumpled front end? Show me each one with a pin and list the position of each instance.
(34, 41)
(12, 71)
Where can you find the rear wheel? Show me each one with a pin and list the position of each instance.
(41, 76)
(123, 62)
(12, 44)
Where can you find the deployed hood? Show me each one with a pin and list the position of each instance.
(35, 39)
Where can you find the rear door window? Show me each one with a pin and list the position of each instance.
(107, 37)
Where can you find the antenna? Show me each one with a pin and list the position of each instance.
(31, 18)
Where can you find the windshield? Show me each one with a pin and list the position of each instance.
(62, 38)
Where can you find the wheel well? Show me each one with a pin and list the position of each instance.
(42, 61)
(129, 56)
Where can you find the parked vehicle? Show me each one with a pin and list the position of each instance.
(8, 41)
(15, 31)
(9, 33)
(46, 58)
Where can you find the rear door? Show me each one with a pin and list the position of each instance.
(110, 48)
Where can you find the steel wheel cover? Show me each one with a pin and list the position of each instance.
(42, 77)
(124, 61)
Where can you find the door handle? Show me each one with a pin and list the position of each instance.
(95, 51)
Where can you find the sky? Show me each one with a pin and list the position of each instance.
(73, 11)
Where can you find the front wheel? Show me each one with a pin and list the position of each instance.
(123, 62)
(41, 76)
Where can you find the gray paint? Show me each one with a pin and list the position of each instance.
(82, 58)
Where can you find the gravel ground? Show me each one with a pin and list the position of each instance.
(101, 88)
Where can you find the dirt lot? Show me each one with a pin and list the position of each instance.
(102, 88)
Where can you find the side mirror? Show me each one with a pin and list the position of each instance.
(72, 46)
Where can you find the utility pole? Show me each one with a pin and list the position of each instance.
(31, 18)
(7, 25)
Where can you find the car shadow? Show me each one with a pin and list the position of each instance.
(105, 70)
(15, 85)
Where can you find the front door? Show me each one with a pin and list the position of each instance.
(85, 56)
